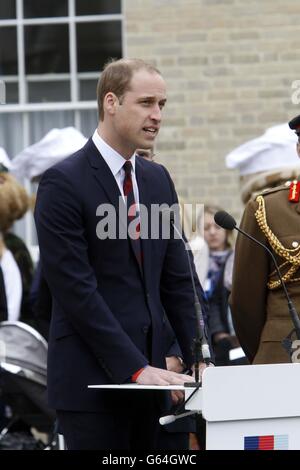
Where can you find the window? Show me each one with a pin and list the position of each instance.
(7, 9)
(94, 7)
(44, 9)
(46, 49)
(55, 52)
(96, 43)
(8, 55)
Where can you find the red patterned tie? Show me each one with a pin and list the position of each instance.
(132, 212)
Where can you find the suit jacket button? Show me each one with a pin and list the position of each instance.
(145, 329)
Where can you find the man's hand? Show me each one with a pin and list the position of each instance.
(174, 364)
(155, 376)
(177, 397)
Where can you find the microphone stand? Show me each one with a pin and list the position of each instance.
(178, 415)
(200, 348)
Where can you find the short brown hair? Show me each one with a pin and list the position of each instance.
(116, 78)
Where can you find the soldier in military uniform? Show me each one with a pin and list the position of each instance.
(259, 307)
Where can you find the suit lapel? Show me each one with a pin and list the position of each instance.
(103, 174)
(106, 179)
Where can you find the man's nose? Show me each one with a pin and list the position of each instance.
(156, 113)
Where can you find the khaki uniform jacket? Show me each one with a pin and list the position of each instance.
(260, 315)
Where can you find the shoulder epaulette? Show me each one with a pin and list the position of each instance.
(265, 192)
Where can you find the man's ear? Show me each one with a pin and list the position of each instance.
(110, 103)
(298, 149)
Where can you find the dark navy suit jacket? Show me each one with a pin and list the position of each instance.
(104, 312)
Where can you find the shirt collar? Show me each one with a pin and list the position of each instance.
(114, 160)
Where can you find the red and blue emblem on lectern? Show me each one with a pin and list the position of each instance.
(272, 442)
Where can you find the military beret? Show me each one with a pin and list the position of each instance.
(295, 124)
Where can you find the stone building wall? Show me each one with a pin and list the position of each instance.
(229, 66)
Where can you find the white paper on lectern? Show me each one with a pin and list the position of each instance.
(138, 387)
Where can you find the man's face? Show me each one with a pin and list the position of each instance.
(137, 115)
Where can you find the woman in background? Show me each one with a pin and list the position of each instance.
(218, 285)
(14, 203)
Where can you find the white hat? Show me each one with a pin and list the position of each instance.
(4, 160)
(54, 147)
(276, 148)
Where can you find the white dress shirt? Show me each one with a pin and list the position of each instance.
(115, 161)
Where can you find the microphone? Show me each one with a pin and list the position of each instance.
(201, 347)
(171, 418)
(226, 221)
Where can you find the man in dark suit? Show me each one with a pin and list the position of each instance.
(110, 291)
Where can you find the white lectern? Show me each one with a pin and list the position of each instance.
(250, 407)
(245, 407)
